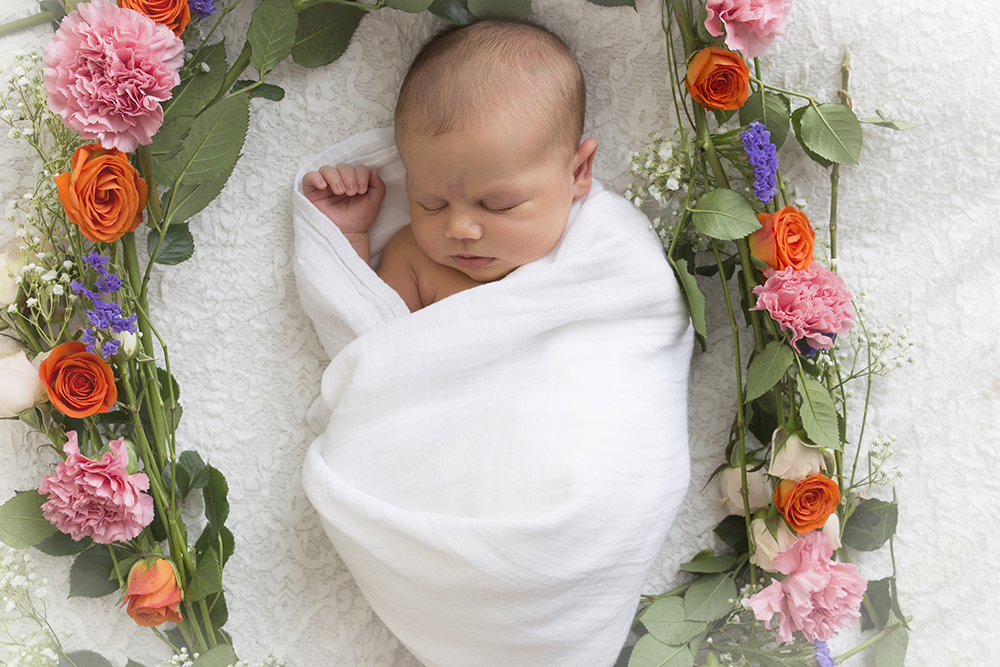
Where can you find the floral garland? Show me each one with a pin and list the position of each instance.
(776, 596)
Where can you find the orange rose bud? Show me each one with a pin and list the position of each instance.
(718, 79)
(152, 594)
(79, 383)
(784, 240)
(174, 14)
(102, 193)
(807, 504)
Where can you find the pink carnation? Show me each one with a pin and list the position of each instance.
(751, 25)
(97, 499)
(817, 598)
(107, 69)
(812, 304)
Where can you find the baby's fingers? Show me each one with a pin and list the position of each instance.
(353, 180)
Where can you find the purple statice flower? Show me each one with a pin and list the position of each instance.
(96, 261)
(823, 658)
(202, 8)
(110, 348)
(762, 154)
(103, 314)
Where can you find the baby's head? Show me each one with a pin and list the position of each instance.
(488, 124)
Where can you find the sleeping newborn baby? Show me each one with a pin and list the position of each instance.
(488, 125)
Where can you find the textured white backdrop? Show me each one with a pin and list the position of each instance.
(919, 232)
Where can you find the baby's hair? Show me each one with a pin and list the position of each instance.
(470, 73)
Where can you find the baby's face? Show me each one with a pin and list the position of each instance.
(485, 202)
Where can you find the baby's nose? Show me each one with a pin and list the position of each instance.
(463, 227)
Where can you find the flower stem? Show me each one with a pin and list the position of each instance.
(845, 77)
(874, 639)
(41, 18)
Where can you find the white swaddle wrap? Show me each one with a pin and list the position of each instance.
(499, 469)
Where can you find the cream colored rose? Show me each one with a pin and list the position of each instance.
(766, 545)
(11, 263)
(758, 489)
(792, 459)
(20, 387)
(832, 530)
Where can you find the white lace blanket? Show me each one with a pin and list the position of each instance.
(500, 468)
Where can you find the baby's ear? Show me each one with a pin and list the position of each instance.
(583, 165)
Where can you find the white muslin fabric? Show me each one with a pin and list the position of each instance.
(499, 469)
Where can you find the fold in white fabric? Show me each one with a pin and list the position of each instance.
(499, 469)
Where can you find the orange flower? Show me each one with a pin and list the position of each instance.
(807, 504)
(152, 594)
(718, 79)
(784, 240)
(79, 383)
(172, 13)
(102, 194)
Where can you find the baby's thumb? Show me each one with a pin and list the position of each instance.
(376, 187)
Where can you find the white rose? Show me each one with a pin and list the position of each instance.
(832, 530)
(758, 489)
(766, 546)
(11, 263)
(20, 387)
(792, 459)
(129, 342)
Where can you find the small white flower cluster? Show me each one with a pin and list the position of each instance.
(183, 659)
(888, 345)
(881, 471)
(25, 640)
(659, 168)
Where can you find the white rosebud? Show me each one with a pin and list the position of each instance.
(129, 343)
(792, 459)
(832, 530)
(766, 545)
(758, 489)
(20, 386)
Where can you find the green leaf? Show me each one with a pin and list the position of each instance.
(21, 522)
(709, 598)
(271, 34)
(493, 8)
(455, 12)
(733, 531)
(83, 659)
(871, 524)
(220, 656)
(891, 651)
(199, 88)
(218, 611)
(92, 574)
(878, 593)
(61, 544)
(775, 113)
(265, 91)
(797, 126)
(695, 299)
(167, 141)
(324, 32)
(666, 621)
(724, 215)
(187, 200)
(412, 6)
(767, 368)
(216, 503)
(213, 144)
(649, 652)
(177, 246)
(133, 663)
(613, 3)
(197, 470)
(707, 563)
(831, 131)
(207, 578)
(882, 121)
(818, 414)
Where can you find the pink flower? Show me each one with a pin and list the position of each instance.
(97, 499)
(107, 69)
(812, 304)
(751, 25)
(817, 598)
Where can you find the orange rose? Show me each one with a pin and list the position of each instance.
(152, 594)
(807, 504)
(784, 240)
(718, 79)
(79, 383)
(102, 194)
(172, 13)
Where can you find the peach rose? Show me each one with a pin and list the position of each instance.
(79, 383)
(152, 594)
(174, 14)
(784, 240)
(807, 504)
(718, 79)
(102, 193)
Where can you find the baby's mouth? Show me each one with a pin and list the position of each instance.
(472, 261)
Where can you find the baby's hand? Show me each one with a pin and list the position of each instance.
(350, 196)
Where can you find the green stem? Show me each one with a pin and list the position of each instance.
(195, 627)
(27, 22)
(874, 639)
(845, 78)
(153, 199)
(206, 618)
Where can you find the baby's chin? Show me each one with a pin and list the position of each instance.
(480, 270)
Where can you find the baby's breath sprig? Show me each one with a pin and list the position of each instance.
(26, 638)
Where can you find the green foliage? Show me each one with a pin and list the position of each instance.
(216, 501)
(220, 656)
(83, 659)
(177, 245)
(491, 8)
(891, 651)
(213, 144)
(207, 578)
(650, 652)
(188, 199)
(831, 131)
(871, 524)
(455, 12)
(212, 539)
(197, 89)
(882, 121)
(709, 598)
(324, 32)
(774, 111)
(695, 299)
(92, 574)
(265, 91)
(725, 215)
(271, 34)
(613, 3)
(706, 562)
(732, 530)
(21, 522)
(61, 544)
(133, 663)
(412, 6)
(818, 414)
(666, 621)
(767, 368)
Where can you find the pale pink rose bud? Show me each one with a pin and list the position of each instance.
(768, 546)
(832, 531)
(792, 459)
(20, 387)
(758, 488)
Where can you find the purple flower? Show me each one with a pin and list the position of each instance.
(202, 8)
(762, 154)
(106, 315)
(823, 654)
